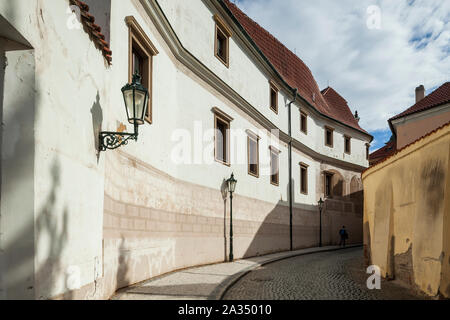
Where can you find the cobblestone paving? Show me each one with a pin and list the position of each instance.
(335, 275)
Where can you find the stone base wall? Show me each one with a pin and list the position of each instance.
(169, 225)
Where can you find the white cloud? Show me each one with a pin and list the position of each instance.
(376, 70)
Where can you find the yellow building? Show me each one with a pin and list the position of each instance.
(407, 214)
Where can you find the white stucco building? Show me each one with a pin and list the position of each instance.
(79, 223)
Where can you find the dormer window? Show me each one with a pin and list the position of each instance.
(222, 42)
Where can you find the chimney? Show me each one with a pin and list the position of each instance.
(420, 93)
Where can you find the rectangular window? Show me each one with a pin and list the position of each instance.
(329, 137)
(273, 98)
(328, 184)
(222, 136)
(253, 154)
(348, 144)
(274, 166)
(367, 151)
(140, 60)
(222, 41)
(303, 178)
(304, 123)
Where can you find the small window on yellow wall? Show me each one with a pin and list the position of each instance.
(222, 41)
(140, 60)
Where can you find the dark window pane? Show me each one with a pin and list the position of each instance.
(221, 141)
(222, 45)
(253, 156)
(304, 180)
(273, 99)
(275, 168)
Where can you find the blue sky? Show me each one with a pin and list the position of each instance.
(375, 58)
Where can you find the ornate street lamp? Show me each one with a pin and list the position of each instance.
(321, 202)
(135, 96)
(231, 183)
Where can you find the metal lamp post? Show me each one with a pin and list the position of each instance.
(231, 183)
(321, 202)
(135, 96)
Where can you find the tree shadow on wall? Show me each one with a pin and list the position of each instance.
(50, 235)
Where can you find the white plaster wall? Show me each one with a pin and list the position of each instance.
(68, 179)
(75, 92)
(17, 185)
(194, 24)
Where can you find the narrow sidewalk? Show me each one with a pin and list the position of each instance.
(207, 282)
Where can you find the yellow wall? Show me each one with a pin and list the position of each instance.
(407, 214)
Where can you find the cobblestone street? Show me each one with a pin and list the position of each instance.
(337, 275)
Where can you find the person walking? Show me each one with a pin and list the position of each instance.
(344, 236)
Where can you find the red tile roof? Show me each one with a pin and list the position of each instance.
(388, 150)
(94, 30)
(340, 107)
(294, 71)
(439, 97)
(389, 155)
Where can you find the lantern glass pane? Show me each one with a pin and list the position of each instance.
(233, 186)
(140, 101)
(128, 96)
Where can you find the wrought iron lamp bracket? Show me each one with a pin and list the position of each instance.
(114, 140)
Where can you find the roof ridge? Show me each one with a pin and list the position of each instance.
(292, 69)
(268, 33)
(427, 102)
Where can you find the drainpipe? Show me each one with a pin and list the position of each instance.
(290, 170)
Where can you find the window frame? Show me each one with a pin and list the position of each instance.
(273, 89)
(328, 174)
(226, 119)
(349, 139)
(304, 115)
(304, 166)
(222, 28)
(139, 42)
(252, 137)
(276, 152)
(331, 145)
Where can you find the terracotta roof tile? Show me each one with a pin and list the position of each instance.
(439, 97)
(388, 150)
(389, 155)
(293, 70)
(94, 30)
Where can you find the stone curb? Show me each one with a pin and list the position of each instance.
(224, 286)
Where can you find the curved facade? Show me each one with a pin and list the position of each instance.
(104, 220)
